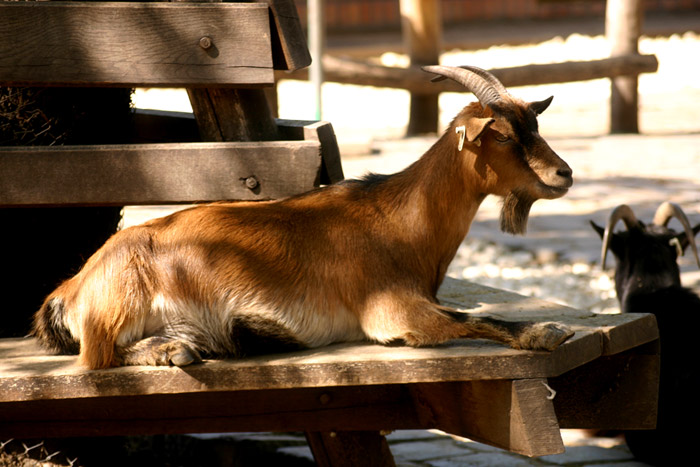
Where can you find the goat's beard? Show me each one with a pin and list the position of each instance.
(515, 211)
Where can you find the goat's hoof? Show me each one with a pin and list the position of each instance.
(544, 336)
(181, 354)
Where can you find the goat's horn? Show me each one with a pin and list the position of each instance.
(483, 84)
(665, 212)
(624, 213)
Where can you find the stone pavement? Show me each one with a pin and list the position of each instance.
(430, 448)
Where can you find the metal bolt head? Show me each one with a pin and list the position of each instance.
(205, 42)
(251, 182)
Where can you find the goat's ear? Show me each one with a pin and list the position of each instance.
(598, 229)
(540, 106)
(475, 127)
(683, 238)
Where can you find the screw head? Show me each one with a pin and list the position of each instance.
(251, 183)
(205, 42)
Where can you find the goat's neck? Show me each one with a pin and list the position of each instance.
(438, 202)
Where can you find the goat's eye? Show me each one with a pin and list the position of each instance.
(501, 138)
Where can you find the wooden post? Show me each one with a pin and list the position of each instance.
(421, 27)
(350, 448)
(623, 24)
(316, 27)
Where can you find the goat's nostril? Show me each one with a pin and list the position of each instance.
(565, 172)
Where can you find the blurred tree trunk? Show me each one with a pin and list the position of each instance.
(41, 247)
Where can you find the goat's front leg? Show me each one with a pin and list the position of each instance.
(526, 335)
(424, 323)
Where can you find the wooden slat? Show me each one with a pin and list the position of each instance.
(26, 373)
(348, 71)
(156, 174)
(134, 44)
(156, 126)
(289, 48)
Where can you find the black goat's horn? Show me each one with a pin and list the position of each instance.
(624, 213)
(665, 212)
(486, 87)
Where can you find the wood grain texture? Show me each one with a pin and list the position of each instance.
(134, 44)
(156, 174)
(232, 114)
(289, 49)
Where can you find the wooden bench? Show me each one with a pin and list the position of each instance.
(345, 396)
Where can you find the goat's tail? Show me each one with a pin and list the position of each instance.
(61, 328)
(51, 328)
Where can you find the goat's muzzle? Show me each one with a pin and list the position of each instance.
(556, 181)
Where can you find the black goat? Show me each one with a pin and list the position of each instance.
(647, 280)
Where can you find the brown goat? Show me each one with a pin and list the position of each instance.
(360, 260)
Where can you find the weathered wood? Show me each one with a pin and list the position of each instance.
(289, 48)
(332, 168)
(360, 408)
(623, 27)
(156, 174)
(350, 448)
(514, 415)
(156, 126)
(232, 114)
(421, 28)
(349, 71)
(134, 44)
(617, 392)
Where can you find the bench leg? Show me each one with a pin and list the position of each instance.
(350, 448)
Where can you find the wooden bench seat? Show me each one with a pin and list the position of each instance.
(516, 400)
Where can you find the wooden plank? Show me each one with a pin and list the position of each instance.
(156, 174)
(421, 28)
(514, 415)
(315, 409)
(623, 27)
(134, 44)
(349, 71)
(332, 168)
(156, 126)
(27, 373)
(289, 48)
